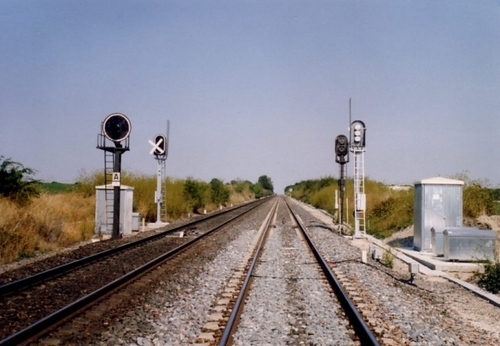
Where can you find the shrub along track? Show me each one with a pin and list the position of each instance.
(23, 307)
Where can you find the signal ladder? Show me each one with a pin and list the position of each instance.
(359, 191)
(163, 211)
(109, 194)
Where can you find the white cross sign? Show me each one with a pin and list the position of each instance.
(157, 147)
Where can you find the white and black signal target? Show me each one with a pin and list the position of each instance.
(116, 127)
(159, 145)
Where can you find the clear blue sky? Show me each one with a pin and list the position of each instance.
(253, 87)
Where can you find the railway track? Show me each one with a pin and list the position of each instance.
(278, 254)
(32, 305)
(191, 298)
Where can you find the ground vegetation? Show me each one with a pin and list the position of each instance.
(390, 208)
(17, 182)
(40, 217)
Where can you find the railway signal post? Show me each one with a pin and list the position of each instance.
(341, 157)
(358, 141)
(160, 151)
(115, 128)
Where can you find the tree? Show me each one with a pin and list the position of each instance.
(220, 193)
(194, 194)
(257, 190)
(267, 183)
(16, 182)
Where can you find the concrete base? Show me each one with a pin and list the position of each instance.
(154, 225)
(434, 262)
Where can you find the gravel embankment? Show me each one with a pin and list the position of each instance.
(433, 311)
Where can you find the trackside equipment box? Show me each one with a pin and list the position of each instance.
(437, 238)
(438, 205)
(468, 244)
(104, 222)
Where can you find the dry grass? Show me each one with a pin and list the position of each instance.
(55, 221)
(48, 223)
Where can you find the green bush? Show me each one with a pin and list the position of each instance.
(388, 259)
(219, 192)
(16, 182)
(490, 279)
(478, 198)
(258, 190)
(195, 194)
(305, 189)
(477, 201)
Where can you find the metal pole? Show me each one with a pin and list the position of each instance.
(347, 210)
(116, 192)
(158, 192)
(342, 189)
(357, 194)
(164, 185)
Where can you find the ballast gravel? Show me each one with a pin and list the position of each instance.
(289, 303)
(432, 311)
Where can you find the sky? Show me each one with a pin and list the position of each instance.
(253, 88)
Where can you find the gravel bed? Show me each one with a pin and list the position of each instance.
(433, 311)
(289, 302)
(176, 311)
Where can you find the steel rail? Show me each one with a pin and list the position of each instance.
(51, 321)
(67, 267)
(363, 332)
(226, 335)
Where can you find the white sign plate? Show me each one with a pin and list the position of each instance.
(116, 179)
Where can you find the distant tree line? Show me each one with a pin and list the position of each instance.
(17, 184)
(198, 194)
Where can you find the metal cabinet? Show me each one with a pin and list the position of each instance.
(468, 244)
(438, 205)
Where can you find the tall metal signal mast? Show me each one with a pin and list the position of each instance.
(341, 157)
(115, 128)
(160, 151)
(358, 141)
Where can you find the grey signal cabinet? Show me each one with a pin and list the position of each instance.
(102, 221)
(438, 204)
